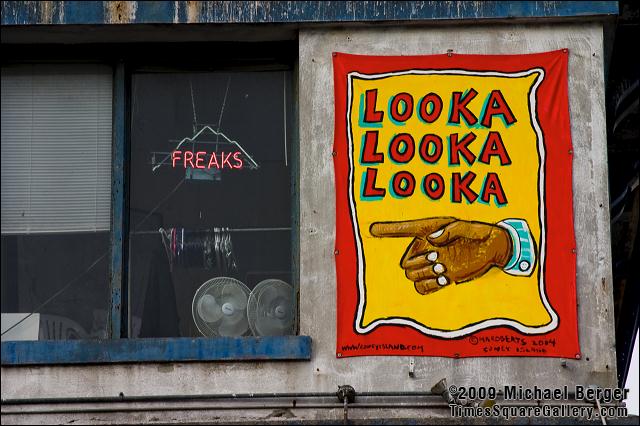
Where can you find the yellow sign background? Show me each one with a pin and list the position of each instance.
(496, 294)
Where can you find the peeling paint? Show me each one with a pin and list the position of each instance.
(61, 11)
(120, 12)
(193, 11)
(46, 9)
(176, 12)
(201, 12)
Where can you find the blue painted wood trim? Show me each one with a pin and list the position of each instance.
(118, 210)
(156, 350)
(181, 12)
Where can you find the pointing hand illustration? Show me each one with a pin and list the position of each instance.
(446, 250)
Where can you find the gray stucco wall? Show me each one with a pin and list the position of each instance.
(317, 268)
(587, 109)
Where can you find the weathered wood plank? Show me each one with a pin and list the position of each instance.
(202, 12)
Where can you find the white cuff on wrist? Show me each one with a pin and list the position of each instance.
(523, 258)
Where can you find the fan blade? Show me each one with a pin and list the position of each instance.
(228, 328)
(206, 329)
(236, 317)
(221, 302)
(271, 326)
(272, 308)
(269, 295)
(237, 298)
(208, 309)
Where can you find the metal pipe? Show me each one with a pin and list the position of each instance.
(229, 229)
(257, 229)
(236, 406)
(441, 405)
(164, 398)
(296, 404)
(345, 411)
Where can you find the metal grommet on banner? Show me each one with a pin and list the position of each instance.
(334, 153)
(449, 52)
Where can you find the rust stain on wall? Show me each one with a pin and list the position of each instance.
(120, 12)
(46, 12)
(193, 11)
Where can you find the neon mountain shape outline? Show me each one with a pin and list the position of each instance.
(251, 163)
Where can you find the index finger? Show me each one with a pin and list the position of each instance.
(409, 228)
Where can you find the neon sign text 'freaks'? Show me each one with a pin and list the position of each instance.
(207, 160)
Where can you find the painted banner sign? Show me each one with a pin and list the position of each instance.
(454, 225)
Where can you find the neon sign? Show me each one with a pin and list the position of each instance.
(207, 160)
(229, 154)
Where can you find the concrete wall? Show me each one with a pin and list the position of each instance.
(587, 109)
(318, 281)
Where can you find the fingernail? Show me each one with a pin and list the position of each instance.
(437, 233)
(438, 268)
(432, 256)
(442, 280)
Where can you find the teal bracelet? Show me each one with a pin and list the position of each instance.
(523, 258)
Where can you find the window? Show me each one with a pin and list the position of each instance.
(210, 204)
(130, 192)
(56, 199)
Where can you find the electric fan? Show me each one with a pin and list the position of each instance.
(219, 307)
(271, 309)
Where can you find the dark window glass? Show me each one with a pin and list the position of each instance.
(210, 205)
(62, 280)
(56, 201)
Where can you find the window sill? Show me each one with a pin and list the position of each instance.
(278, 348)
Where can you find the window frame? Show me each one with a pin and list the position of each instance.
(119, 348)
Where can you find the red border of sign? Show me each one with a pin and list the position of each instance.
(560, 265)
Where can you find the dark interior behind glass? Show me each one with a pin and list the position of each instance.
(251, 107)
(64, 278)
